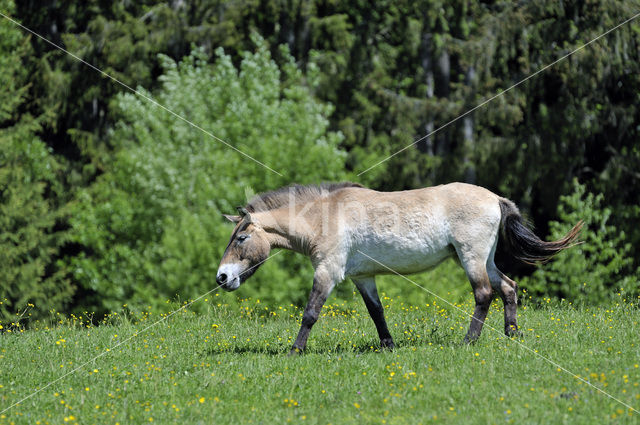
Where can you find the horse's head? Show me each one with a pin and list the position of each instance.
(246, 251)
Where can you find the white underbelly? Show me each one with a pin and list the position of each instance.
(404, 254)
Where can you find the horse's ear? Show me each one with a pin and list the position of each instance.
(244, 213)
(232, 218)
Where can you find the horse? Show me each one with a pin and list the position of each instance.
(350, 231)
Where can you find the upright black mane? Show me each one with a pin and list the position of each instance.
(277, 198)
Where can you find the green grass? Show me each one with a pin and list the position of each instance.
(229, 366)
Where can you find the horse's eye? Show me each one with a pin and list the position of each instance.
(241, 238)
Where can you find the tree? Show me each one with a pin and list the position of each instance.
(595, 270)
(29, 184)
(152, 226)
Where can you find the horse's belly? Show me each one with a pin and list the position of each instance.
(397, 255)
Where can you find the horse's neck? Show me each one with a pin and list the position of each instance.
(285, 230)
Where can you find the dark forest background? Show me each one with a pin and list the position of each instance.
(106, 199)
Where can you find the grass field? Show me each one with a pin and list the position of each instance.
(229, 366)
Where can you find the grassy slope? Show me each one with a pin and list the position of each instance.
(228, 366)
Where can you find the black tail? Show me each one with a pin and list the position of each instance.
(524, 244)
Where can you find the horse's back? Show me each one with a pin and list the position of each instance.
(457, 204)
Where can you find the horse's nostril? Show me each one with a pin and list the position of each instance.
(222, 278)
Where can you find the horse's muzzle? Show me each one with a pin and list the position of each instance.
(228, 277)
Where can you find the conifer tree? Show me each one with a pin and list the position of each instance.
(29, 240)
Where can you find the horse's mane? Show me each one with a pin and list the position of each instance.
(302, 193)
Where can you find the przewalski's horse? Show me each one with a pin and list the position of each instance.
(351, 231)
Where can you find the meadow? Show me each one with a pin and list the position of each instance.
(227, 364)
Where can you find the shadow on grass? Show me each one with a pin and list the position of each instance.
(284, 350)
(328, 349)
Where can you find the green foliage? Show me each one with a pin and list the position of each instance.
(595, 270)
(29, 177)
(394, 72)
(152, 223)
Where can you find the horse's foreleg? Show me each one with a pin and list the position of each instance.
(369, 292)
(322, 286)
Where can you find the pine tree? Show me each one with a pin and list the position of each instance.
(29, 240)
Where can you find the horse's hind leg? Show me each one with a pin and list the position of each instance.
(475, 243)
(369, 292)
(507, 289)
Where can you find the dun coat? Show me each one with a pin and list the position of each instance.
(349, 231)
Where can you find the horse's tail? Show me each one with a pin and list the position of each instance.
(524, 244)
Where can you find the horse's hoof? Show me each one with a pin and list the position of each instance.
(512, 332)
(295, 352)
(468, 340)
(387, 344)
